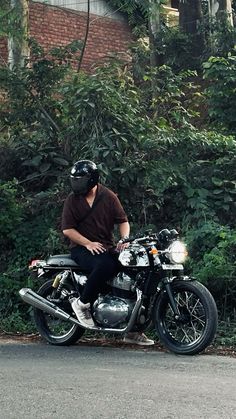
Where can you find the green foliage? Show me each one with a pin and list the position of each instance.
(69, 116)
(167, 173)
(31, 90)
(170, 96)
(9, 159)
(221, 74)
(9, 20)
(177, 49)
(212, 261)
(10, 212)
(42, 163)
(14, 314)
(226, 334)
(28, 240)
(211, 182)
(193, 175)
(186, 51)
(31, 115)
(135, 11)
(221, 37)
(103, 116)
(16, 322)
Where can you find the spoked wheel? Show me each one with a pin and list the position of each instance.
(54, 330)
(196, 326)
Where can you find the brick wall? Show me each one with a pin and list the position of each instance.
(53, 26)
(3, 51)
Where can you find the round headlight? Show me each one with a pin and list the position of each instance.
(177, 252)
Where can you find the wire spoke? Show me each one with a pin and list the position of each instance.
(191, 324)
(56, 325)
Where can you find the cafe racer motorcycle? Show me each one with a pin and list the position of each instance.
(150, 291)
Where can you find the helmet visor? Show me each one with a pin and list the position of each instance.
(80, 185)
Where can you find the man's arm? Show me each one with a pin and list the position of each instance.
(76, 237)
(124, 229)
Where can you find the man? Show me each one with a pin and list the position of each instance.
(89, 216)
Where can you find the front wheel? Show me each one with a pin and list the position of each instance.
(54, 330)
(196, 326)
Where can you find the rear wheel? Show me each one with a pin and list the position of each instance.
(196, 327)
(54, 330)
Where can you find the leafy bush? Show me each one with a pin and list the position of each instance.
(165, 177)
(56, 119)
(192, 175)
(10, 212)
(221, 74)
(212, 261)
(180, 50)
(170, 96)
(36, 236)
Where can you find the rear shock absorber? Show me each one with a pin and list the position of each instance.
(60, 281)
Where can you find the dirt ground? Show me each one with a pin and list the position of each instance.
(115, 343)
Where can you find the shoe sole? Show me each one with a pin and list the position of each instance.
(138, 343)
(82, 322)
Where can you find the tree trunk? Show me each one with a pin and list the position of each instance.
(190, 20)
(18, 41)
(154, 26)
(190, 15)
(221, 9)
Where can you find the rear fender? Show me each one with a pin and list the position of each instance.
(44, 274)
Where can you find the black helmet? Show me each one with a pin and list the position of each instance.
(84, 176)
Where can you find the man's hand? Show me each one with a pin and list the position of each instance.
(121, 246)
(95, 248)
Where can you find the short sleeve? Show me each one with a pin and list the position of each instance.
(68, 217)
(118, 211)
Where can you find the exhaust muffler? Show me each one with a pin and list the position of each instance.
(38, 301)
(35, 300)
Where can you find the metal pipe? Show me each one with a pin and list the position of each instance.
(35, 300)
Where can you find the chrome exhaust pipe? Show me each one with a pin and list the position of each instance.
(38, 301)
(35, 300)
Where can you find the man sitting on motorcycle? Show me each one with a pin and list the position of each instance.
(89, 215)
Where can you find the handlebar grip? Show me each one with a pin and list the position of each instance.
(128, 240)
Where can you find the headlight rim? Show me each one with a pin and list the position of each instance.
(171, 253)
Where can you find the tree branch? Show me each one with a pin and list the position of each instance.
(85, 39)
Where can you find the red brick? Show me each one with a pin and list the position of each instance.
(54, 26)
(3, 50)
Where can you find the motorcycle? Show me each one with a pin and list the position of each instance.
(150, 290)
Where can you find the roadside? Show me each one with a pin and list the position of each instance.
(214, 349)
(42, 381)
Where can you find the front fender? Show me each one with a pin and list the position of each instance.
(184, 278)
(175, 279)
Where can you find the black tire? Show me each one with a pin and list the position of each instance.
(54, 330)
(198, 324)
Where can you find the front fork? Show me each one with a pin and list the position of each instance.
(173, 304)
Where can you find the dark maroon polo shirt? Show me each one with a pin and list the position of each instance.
(99, 224)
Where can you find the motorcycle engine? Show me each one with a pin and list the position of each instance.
(115, 308)
(110, 311)
(123, 286)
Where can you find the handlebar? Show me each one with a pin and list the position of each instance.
(162, 236)
(140, 239)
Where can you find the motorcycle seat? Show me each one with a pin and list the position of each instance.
(61, 260)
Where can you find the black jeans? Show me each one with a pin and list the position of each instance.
(100, 267)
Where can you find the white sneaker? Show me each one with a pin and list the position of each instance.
(138, 339)
(82, 312)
